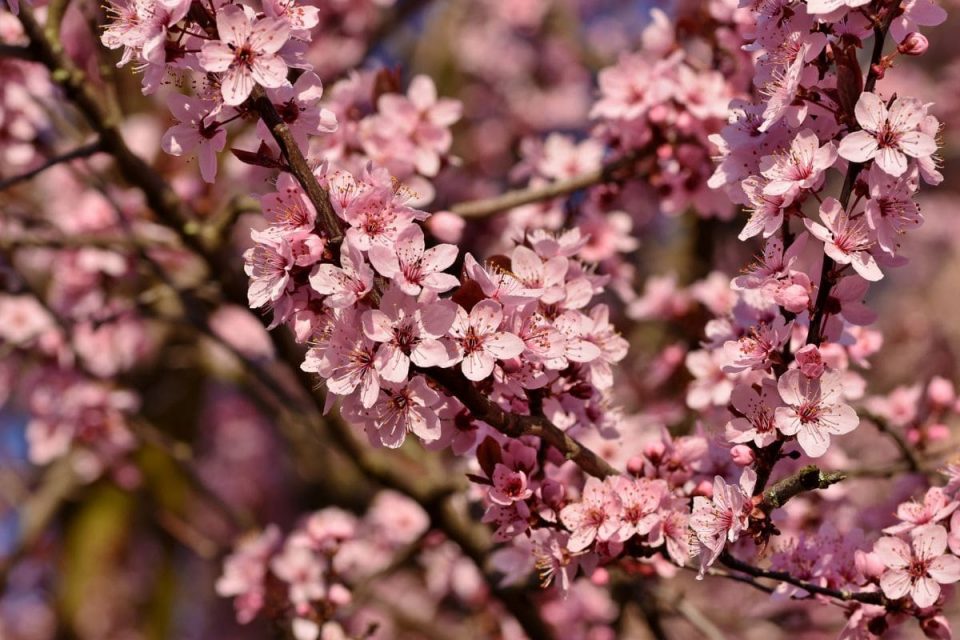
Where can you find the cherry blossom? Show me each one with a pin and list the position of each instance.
(721, 519)
(814, 410)
(917, 568)
(412, 267)
(595, 517)
(478, 340)
(246, 53)
(846, 239)
(888, 136)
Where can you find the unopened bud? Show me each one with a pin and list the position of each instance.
(742, 455)
(915, 44)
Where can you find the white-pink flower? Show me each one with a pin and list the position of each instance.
(246, 53)
(411, 266)
(756, 424)
(800, 167)
(918, 571)
(595, 517)
(192, 131)
(814, 410)
(845, 239)
(888, 136)
(479, 342)
(721, 519)
(344, 285)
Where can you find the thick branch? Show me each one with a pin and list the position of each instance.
(85, 151)
(330, 222)
(17, 52)
(513, 425)
(511, 199)
(808, 478)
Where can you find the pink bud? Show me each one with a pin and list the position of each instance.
(915, 44)
(941, 392)
(937, 628)
(339, 595)
(635, 465)
(654, 451)
(869, 564)
(446, 226)
(742, 455)
(600, 577)
(938, 432)
(810, 361)
(705, 489)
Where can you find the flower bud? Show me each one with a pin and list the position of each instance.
(600, 577)
(941, 392)
(446, 226)
(915, 44)
(742, 455)
(635, 465)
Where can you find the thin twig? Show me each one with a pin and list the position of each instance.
(85, 151)
(519, 197)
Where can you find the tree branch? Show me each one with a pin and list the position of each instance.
(84, 151)
(869, 597)
(808, 478)
(511, 199)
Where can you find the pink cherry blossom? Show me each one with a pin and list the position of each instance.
(193, 131)
(814, 410)
(757, 408)
(412, 267)
(891, 210)
(888, 136)
(918, 568)
(766, 210)
(914, 14)
(936, 507)
(478, 340)
(640, 502)
(721, 519)
(408, 333)
(509, 485)
(802, 166)
(246, 53)
(595, 517)
(846, 239)
(401, 409)
(343, 285)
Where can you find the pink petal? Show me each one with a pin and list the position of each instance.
(477, 365)
(895, 584)
(892, 161)
(813, 440)
(233, 25)
(236, 85)
(945, 569)
(486, 316)
(925, 592)
(269, 35)
(215, 57)
(422, 92)
(893, 552)
(269, 71)
(503, 345)
(871, 113)
(859, 146)
(929, 541)
(917, 144)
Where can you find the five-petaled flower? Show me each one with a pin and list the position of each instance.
(888, 136)
(814, 410)
(918, 568)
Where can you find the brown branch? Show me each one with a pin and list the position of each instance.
(511, 424)
(869, 597)
(808, 478)
(516, 425)
(511, 199)
(17, 52)
(159, 195)
(85, 151)
(827, 278)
